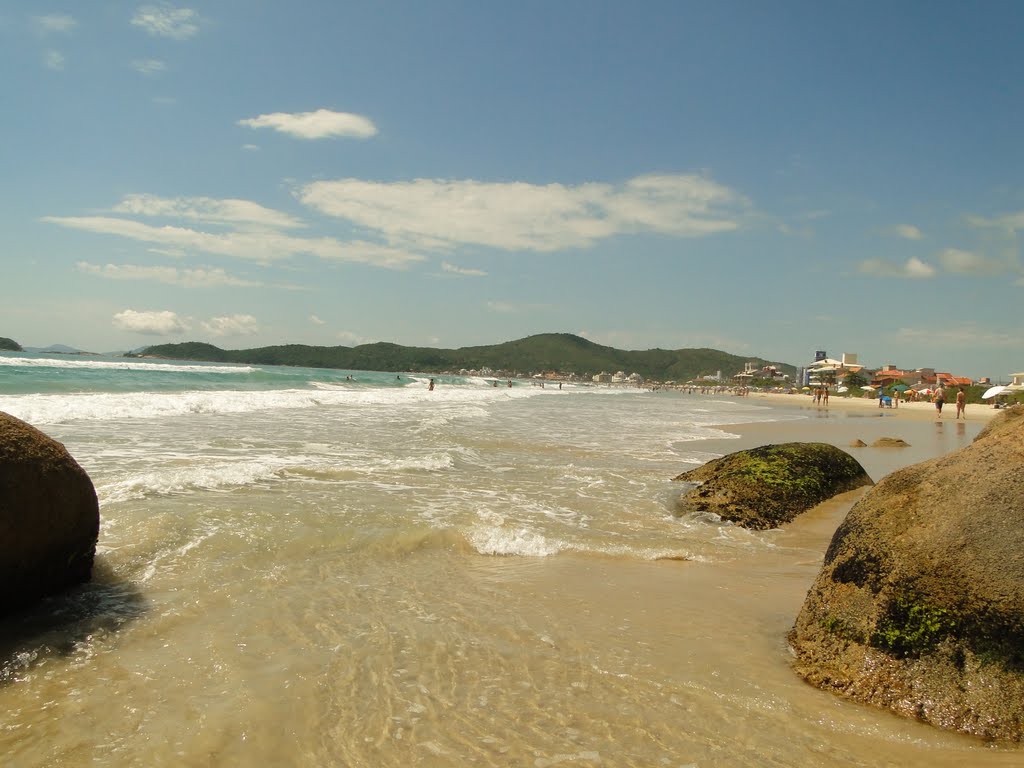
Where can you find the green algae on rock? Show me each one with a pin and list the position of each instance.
(764, 487)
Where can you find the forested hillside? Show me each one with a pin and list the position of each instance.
(560, 352)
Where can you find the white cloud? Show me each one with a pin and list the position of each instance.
(53, 60)
(1011, 221)
(518, 216)
(514, 308)
(231, 325)
(451, 268)
(908, 232)
(969, 263)
(148, 66)
(207, 210)
(174, 253)
(55, 22)
(349, 338)
(912, 268)
(163, 323)
(316, 320)
(966, 335)
(321, 124)
(189, 278)
(260, 246)
(251, 147)
(164, 20)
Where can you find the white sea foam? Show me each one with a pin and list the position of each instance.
(499, 540)
(172, 479)
(129, 364)
(104, 406)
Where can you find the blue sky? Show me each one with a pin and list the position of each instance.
(762, 178)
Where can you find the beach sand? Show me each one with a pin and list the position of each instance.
(846, 420)
(748, 605)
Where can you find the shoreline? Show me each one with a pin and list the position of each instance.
(846, 420)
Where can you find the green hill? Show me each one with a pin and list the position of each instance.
(10, 345)
(560, 352)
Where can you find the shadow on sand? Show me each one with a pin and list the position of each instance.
(60, 625)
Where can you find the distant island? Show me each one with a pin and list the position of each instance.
(10, 345)
(562, 353)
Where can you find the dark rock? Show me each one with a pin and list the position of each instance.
(767, 486)
(49, 517)
(920, 604)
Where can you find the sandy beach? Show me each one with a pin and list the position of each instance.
(906, 409)
(844, 421)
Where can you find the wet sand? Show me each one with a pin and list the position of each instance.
(844, 421)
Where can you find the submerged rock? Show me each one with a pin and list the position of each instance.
(920, 604)
(890, 442)
(49, 517)
(767, 486)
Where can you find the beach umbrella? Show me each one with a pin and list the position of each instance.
(841, 390)
(924, 391)
(993, 391)
(868, 387)
(901, 387)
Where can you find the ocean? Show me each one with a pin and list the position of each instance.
(306, 567)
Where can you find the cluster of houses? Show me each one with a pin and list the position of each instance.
(825, 371)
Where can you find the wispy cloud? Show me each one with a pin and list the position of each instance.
(188, 278)
(440, 215)
(321, 124)
(515, 308)
(231, 325)
(316, 320)
(207, 210)
(465, 271)
(164, 20)
(1012, 222)
(970, 263)
(908, 232)
(260, 246)
(53, 60)
(965, 335)
(158, 323)
(149, 67)
(911, 268)
(55, 22)
(350, 338)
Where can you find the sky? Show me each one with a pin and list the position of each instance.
(764, 178)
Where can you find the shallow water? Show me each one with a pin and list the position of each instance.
(480, 576)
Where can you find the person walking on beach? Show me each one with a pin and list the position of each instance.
(939, 399)
(961, 403)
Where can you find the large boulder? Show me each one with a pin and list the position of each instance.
(767, 486)
(920, 604)
(49, 517)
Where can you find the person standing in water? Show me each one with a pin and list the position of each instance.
(961, 403)
(430, 387)
(939, 399)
